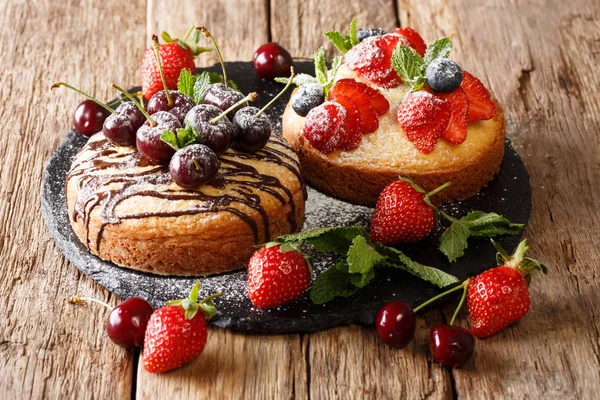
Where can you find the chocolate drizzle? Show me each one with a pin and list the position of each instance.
(240, 183)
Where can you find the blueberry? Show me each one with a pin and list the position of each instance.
(443, 75)
(307, 97)
(365, 33)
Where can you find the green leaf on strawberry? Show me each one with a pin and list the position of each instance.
(454, 240)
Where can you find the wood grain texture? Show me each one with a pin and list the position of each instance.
(538, 58)
(49, 348)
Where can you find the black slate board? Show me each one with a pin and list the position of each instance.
(508, 194)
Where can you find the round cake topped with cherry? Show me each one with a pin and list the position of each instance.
(392, 105)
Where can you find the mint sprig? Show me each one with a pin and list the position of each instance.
(440, 48)
(454, 240)
(201, 85)
(344, 42)
(185, 83)
(181, 138)
(195, 86)
(360, 260)
(323, 76)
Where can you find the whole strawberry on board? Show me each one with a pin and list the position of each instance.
(499, 297)
(175, 55)
(403, 213)
(277, 274)
(176, 333)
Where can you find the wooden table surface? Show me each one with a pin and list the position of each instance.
(539, 57)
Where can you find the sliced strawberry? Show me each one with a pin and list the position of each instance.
(324, 128)
(378, 102)
(368, 117)
(353, 130)
(456, 131)
(415, 40)
(481, 106)
(365, 55)
(372, 59)
(424, 117)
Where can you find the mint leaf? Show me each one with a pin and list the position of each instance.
(454, 240)
(398, 259)
(299, 79)
(353, 33)
(321, 66)
(337, 239)
(362, 280)
(201, 86)
(335, 65)
(342, 43)
(170, 138)
(441, 48)
(407, 63)
(186, 136)
(335, 281)
(215, 77)
(185, 82)
(362, 257)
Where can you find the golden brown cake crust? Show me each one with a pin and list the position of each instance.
(360, 175)
(130, 212)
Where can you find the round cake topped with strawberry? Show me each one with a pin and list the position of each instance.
(391, 105)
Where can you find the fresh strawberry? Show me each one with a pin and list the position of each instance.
(353, 123)
(176, 334)
(456, 131)
(415, 40)
(499, 297)
(324, 127)
(368, 117)
(174, 57)
(481, 106)
(372, 59)
(277, 274)
(424, 118)
(378, 101)
(403, 213)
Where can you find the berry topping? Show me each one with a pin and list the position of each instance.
(89, 117)
(217, 135)
(271, 61)
(353, 123)
(423, 117)
(307, 97)
(403, 213)
(324, 128)
(223, 97)
(443, 75)
(148, 137)
(481, 106)
(177, 333)
(179, 104)
(451, 346)
(277, 274)
(121, 127)
(378, 101)
(499, 297)
(365, 33)
(395, 324)
(415, 40)
(456, 131)
(162, 64)
(368, 117)
(251, 129)
(193, 165)
(372, 59)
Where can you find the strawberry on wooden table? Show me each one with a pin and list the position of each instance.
(499, 297)
(277, 274)
(176, 333)
(403, 213)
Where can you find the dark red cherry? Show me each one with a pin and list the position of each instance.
(271, 61)
(89, 117)
(452, 346)
(180, 107)
(217, 136)
(148, 137)
(395, 324)
(223, 97)
(251, 133)
(121, 127)
(193, 165)
(127, 322)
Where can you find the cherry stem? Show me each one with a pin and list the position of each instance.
(207, 34)
(79, 300)
(197, 164)
(251, 97)
(262, 110)
(95, 100)
(130, 97)
(439, 296)
(462, 301)
(437, 190)
(155, 46)
(188, 33)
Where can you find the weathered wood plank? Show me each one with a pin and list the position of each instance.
(538, 58)
(49, 348)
